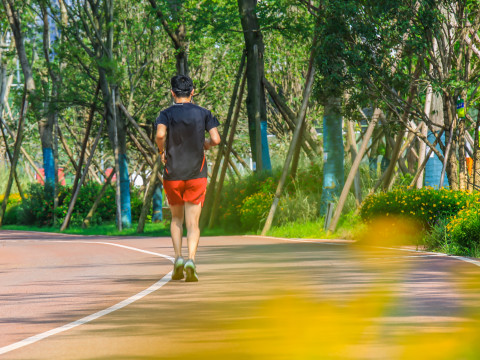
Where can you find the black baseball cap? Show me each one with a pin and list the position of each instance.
(182, 85)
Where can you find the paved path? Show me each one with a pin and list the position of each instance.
(253, 292)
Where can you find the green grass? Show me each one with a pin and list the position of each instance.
(348, 226)
(159, 229)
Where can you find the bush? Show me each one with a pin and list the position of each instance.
(426, 205)
(464, 229)
(37, 209)
(450, 219)
(255, 210)
(235, 194)
(299, 206)
(12, 214)
(245, 203)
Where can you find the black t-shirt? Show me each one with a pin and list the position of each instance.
(186, 126)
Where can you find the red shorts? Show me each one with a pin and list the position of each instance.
(181, 191)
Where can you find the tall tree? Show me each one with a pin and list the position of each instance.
(29, 87)
(95, 22)
(256, 104)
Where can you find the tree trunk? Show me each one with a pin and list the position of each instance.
(10, 158)
(81, 159)
(118, 167)
(353, 154)
(91, 212)
(450, 162)
(433, 168)
(15, 25)
(353, 172)
(423, 147)
(421, 167)
(149, 192)
(333, 153)
(476, 154)
(16, 155)
(256, 104)
(71, 206)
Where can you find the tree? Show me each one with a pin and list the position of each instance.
(256, 104)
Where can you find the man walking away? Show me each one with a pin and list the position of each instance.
(181, 140)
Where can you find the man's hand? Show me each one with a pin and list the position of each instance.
(207, 144)
(163, 158)
(160, 138)
(214, 139)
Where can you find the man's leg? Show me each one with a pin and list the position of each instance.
(192, 217)
(176, 228)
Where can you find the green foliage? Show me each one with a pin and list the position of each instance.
(450, 219)
(425, 205)
(255, 210)
(105, 212)
(300, 206)
(12, 214)
(37, 209)
(235, 194)
(464, 229)
(245, 204)
(437, 238)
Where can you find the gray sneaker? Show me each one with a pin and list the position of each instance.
(178, 269)
(191, 271)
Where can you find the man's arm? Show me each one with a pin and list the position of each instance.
(214, 139)
(160, 139)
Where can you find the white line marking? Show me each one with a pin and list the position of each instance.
(347, 242)
(87, 319)
(172, 259)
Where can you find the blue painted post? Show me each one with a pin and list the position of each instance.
(433, 168)
(126, 208)
(267, 165)
(333, 169)
(157, 215)
(49, 166)
(49, 171)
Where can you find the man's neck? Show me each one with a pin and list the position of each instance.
(183, 100)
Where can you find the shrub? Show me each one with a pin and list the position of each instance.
(235, 194)
(464, 229)
(37, 209)
(234, 198)
(308, 179)
(437, 236)
(255, 210)
(12, 214)
(426, 205)
(299, 206)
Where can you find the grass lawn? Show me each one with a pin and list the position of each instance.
(159, 229)
(347, 227)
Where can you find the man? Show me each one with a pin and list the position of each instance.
(181, 140)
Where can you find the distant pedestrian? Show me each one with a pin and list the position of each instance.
(181, 140)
